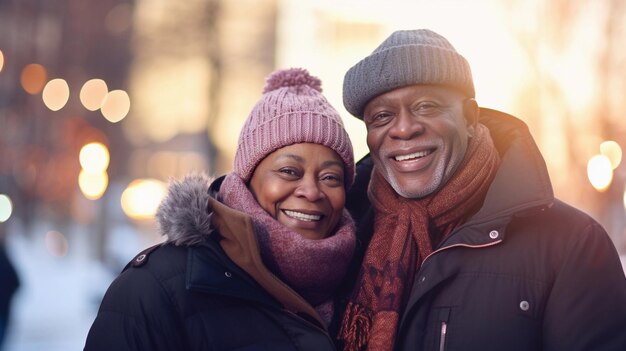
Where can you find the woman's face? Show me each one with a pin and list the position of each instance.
(302, 187)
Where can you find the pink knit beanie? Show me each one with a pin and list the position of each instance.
(292, 110)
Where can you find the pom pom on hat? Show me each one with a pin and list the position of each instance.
(292, 110)
(293, 77)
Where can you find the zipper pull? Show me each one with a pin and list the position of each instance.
(442, 336)
(444, 316)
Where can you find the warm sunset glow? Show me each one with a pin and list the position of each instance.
(142, 197)
(6, 208)
(55, 94)
(600, 172)
(115, 106)
(93, 185)
(33, 78)
(56, 243)
(613, 151)
(94, 158)
(92, 94)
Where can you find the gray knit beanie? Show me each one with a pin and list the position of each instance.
(407, 57)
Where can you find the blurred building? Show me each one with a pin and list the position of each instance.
(101, 102)
(179, 79)
(192, 71)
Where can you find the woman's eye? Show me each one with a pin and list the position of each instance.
(288, 171)
(332, 179)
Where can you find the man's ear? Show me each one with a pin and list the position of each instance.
(471, 112)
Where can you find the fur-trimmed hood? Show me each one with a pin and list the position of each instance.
(182, 215)
(185, 221)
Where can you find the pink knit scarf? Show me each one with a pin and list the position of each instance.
(313, 268)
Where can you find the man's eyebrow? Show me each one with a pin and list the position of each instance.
(377, 102)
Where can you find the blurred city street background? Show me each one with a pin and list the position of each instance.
(102, 102)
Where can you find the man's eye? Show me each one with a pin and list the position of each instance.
(381, 115)
(427, 107)
(378, 118)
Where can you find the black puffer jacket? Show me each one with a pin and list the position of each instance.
(527, 272)
(205, 289)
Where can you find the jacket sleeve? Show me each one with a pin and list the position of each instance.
(136, 313)
(586, 309)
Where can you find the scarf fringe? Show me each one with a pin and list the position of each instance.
(355, 327)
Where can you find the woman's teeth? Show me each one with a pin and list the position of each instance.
(303, 216)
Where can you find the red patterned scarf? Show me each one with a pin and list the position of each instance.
(405, 232)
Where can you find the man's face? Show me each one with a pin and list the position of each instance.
(417, 136)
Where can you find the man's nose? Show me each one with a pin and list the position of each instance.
(406, 126)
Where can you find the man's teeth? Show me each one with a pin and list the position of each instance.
(303, 216)
(413, 155)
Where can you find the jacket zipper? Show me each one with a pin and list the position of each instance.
(442, 336)
(444, 316)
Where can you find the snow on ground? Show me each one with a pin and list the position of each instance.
(59, 295)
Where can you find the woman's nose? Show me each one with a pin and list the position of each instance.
(309, 189)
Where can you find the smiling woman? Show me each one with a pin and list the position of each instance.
(260, 268)
(302, 187)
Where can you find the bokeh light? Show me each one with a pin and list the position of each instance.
(142, 197)
(115, 106)
(1, 60)
(92, 94)
(55, 94)
(612, 151)
(165, 164)
(33, 78)
(94, 158)
(6, 208)
(56, 243)
(600, 172)
(119, 19)
(93, 185)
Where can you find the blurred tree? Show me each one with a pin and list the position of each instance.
(558, 97)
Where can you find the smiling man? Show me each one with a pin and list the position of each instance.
(464, 246)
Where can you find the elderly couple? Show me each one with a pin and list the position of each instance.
(447, 236)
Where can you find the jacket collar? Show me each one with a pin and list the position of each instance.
(521, 183)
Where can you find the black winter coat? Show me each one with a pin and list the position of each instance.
(526, 272)
(205, 289)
